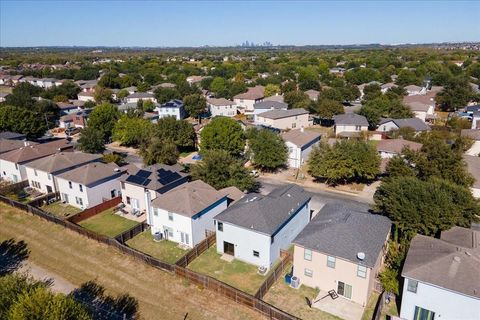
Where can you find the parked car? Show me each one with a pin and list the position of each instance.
(71, 131)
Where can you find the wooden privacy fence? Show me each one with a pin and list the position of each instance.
(90, 212)
(379, 306)
(207, 282)
(132, 232)
(277, 272)
(14, 187)
(197, 250)
(234, 294)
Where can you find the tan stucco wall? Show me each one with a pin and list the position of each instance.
(285, 123)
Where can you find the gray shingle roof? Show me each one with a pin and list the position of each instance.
(415, 123)
(473, 167)
(343, 231)
(172, 104)
(11, 135)
(352, 119)
(156, 177)
(301, 138)
(265, 214)
(141, 95)
(268, 104)
(63, 160)
(451, 262)
(91, 173)
(279, 114)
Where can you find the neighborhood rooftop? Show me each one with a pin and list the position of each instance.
(352, 119)
(155, 177)
(35, 151)
(415, 123)
(188, 199)
(279, 114)
(397, 145)
(266, 214)
(62, 160)
(343, 231)
(300, 137)
(91, 173)
(451, 262)
(220, 102)
(267, 104)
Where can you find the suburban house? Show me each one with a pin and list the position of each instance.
(342, 249)
(12, 135)
(362, 86)
(387, 148)
(245, 101)
(141, 186)
(89, 185)
(312, 94)
(67, 107)
(387, 86)
(422, 106)
(413, 90)
(137, 96)
(86, 96)
(7, 145)
(42, 173)
(172, 108)
(267, 105)
(255, 228)
(300, 143)
(473, 167)
(87, 85)
(416, 124)
(277, 97)
(442, 276)
(283, 119)
(350, 124)
(222, 107)
(12, 163)
(194, 79)
(77, 119)
(185, 213)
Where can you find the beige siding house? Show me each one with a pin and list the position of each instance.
(342, 249)
(283, 119)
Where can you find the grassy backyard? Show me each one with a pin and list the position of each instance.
(61, 210)
(167, 251)
(237, 273)
(78, 259)
(388, 310)
(108, 223)
(293, 300)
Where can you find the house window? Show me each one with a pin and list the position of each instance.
(128, 200)
(423, 314)
(307, 254)
(79, 201)
(35, 172)
(155, 212)
(220, 226)
(123, 185)
(256, 254)
(358, 128)
(49, 176)
(80, 187)
(70, 184)
(294, 125)
(16, 166)
(170, 216)
(331, 262)
(412, 285)
(308, 272)
(361, 271)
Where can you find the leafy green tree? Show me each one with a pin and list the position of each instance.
(345, 161)
(326, 108)
(382, 107)
(407, 77)
(297, 99)
(223, 133)
(91, 140)
(289, 86)
(143, 87)
(113, 157)
(132, 131)
(425, 207)
(164, 95)
(218, 85)
(308, 78)
(268, 150)
(195, 104)
(456, 93)
(362, 75)
(179, 131)
(104, 117)
(158, 151)
(102, 95)
(22, 120)
(68, 89)
(122, 94)
(372, 91)
(220, 170)
(22, 95)
(148, 106)
(271, 90)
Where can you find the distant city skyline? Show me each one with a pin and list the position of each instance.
(230, 23)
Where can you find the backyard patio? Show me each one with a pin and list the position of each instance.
(164, 250)
(108, 223)
(59, 209)
(236, 273)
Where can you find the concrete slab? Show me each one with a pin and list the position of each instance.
(340, 307)
(227, 257)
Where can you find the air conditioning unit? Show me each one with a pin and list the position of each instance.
(295, 282)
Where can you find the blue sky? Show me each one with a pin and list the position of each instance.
(197, 23)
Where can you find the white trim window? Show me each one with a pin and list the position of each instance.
(79, 201)
(412, 285)
(170, 216)
(307, 254)
(361, 271)
(331, 261)
(308, 272)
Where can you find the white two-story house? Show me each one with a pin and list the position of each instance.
(137, 96)
(42, 173)
(172, 108)
(442, 277)
(284, 119)
(89, 185)
(185, 213)
(246, 100)
(255, 228)
(350, 124)
(222, 107)
(300, 143)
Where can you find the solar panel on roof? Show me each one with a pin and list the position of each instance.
(143, 173)
(136, 180)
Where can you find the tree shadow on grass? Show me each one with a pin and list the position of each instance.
(105, 307)
(12, 254)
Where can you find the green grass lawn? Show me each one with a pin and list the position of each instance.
(237, 273)
(61, 210)
(293, 300)
(108, 223)
(165, 250)
(388, 310)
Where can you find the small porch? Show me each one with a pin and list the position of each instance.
(340, 306)
(129, 213)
